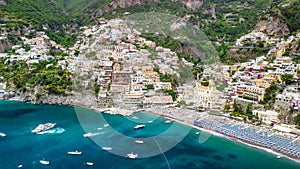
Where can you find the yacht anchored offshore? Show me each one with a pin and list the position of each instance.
(132, 156)
(43, 127)
(89, 163)
(44, 162)
(106, 148)
(2, 134)
(75, 152)
(139, 126)
(139, 141)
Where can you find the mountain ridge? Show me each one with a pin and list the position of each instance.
(222, 21)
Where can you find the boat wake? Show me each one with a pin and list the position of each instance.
(57, 130)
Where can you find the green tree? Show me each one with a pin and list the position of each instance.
(297, 119)
(237, 108)
(150, 87)
(287, 78)
(226, 108)
(249, 109)
(204, 83)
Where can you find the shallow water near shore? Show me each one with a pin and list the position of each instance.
(20, 146)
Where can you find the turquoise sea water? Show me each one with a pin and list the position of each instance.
(20, 146)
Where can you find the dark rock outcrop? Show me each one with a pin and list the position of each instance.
(2, 2)
(192, 4)
(272, 26)
(5, 45)
(285, 115)
(122, 4)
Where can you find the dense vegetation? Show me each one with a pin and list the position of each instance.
(291, 15)
(57, 16)
(297, 119)
(47, 75)
(231, 19)
(239, 112)
(270, 95)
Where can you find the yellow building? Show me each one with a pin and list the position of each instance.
(280, 51)
(116, 67)
(251, 92)
(206, 94)
(150, 77)
(234, 68)
(267, 80)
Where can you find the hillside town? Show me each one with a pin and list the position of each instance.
(127, 69)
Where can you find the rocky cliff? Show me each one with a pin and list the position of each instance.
(5, 45)
(272, 26)
(285, 115)
(122, 4)
(84, 100)
(2, 2)
(192, 4)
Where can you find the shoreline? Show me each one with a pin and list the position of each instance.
(245, 143)
(221, 135)
(185, 122)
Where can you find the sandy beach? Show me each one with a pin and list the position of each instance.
(188, 116)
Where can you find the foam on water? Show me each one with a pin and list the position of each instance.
(57, 130)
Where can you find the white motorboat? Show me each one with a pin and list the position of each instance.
(105, 125)
(44, 162)
(279, 156)
(139, 141)
(139, 126)
(134, 117)
(20, 166)
(75, 152)
(197, 133)
(43, 127)
(132, 156)
(106, 148)
(100, 128)
(90, 134)
(89, 163)
(168, 121)
(150, 121)
(2, 134)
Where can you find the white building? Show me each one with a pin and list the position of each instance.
(267, 117)
(162, 85)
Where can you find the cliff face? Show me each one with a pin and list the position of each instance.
(192, 4)
(122, 4)
(14, 33)
(285, 116)
(86, 100)
(2, 2)
(273, 26)
(212, 11)
(5, 45)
